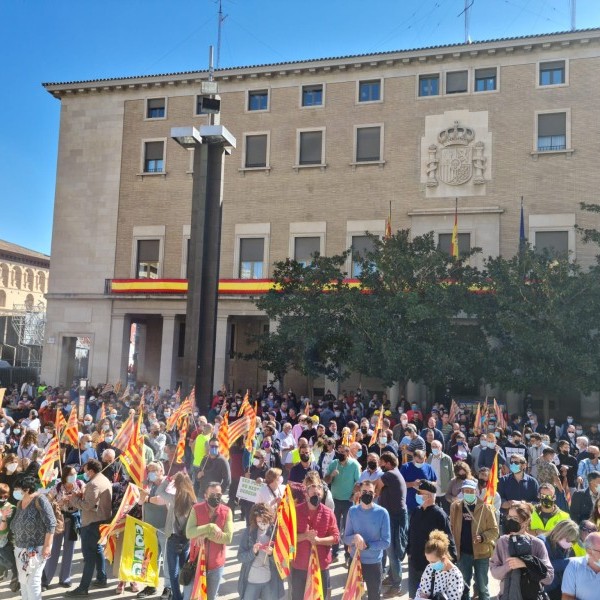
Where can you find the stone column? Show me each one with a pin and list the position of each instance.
(273, 326)
(393, 394)
(118, 353)
(220, 373)
(166, 352)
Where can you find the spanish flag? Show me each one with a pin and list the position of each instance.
(286, 537)
(454, 241)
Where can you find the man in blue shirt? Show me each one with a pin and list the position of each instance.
(517, 485)
(582, 575)
(414, 472)
(368, 530)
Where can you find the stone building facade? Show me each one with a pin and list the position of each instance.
(323, 147)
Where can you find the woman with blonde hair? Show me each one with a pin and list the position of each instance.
(441, 575)
(559, 545)
(27, 447)
(518, 553)
(272, 489)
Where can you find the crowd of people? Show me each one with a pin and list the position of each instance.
(388, 482)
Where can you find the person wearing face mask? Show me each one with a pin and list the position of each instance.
(368, 531)
(211, 522)
(326, 457)
(559, 545)
(316, 525)
(580, 578)
(441, 463)
(441, 578)
(9, 472)
(272, 489)
(413, 473)
(546, 515)
(567, 466)
(85, 452)
(259, 578)
(582, 501)
(256, 472)
(63, 543)
(413, 443)
(489, 452)
(552, 430)
(588, 465)
(462, 472)
(570, 437)
(425, 519)
(372, 472)
(475, 529)
(88, 424)
(7, 551)
(517, 486)
(342, 476)
(95, 504)
(382, 445)
(215, 468)
(518, 552)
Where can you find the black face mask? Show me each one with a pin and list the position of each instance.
(214, 501)
(482, 483)
(364, 430)
(366, 497)
(314, 500)
(372, 465)
(512, 526)
(547, 502)
(462, 476)
(3, 501)
(304, 458)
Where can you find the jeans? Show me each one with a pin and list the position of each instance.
(67, 558)
(264, 591)
(341, 513)
(298, 581)
(7, 559)
(93, 556)
(30, 578)
(467, 565)
(397, 548)
(213, 581)
(163, 563)
(372, 579)
(176, 560)
(414, 579)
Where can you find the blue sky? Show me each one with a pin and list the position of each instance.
(67, 40)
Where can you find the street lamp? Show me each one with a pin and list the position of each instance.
(210, 143)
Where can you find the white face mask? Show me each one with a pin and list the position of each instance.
(11, 468)
(262, 526)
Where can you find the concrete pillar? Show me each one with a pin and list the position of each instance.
(273, 326)
(118, 354)
(590, 406)
(166, 352)
(222, 337)
(393, 394)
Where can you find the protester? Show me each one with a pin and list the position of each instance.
(215, 469)
(368, 531)
(559, 543)
(580, 578)
(413, 473)
(546, 514)
(7, 550)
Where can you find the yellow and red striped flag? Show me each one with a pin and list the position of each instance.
(251, 429)
(345, 436)
(2, 392)
(223, 437)
(477, 422)
(181, 442)
(378, 428)
(183, 410)
(59, 422)
(454, 240)
(354, 584)
(69, 435)
(118, 387)
(109, 532)
(284, 550)
(47, 466)
(492, 484)
(501, 422)
(102, 413)
(454, 409)
(245, 404)
(314, 584)
(238, 427)
(133, 457)
(124, 434)
(199, 590)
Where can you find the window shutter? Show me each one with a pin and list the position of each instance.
(368, 143)
(311, 145)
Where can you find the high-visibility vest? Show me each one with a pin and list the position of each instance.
(551, 523)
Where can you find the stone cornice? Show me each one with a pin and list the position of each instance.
(434, 54)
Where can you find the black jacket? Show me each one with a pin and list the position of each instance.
(422, 522)
(581, 505)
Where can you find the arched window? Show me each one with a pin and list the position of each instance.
(17, 277)
(41, 281)
(2, 298)
(29, 302)
(29, 279)
(3, 275)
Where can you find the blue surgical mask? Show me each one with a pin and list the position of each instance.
(359, 454)
(18, 495)
(436, 451)
(71, 478)
(108, 439)
(419, 499)
(152, 476)
(437, 566)
(214, 451)
(88, 445)
(514, 468)
(86, 476)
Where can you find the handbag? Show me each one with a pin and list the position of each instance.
(186, 575)
(437, 595)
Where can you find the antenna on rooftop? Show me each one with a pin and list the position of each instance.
(222, 18)
(466, 12)
(573, 4)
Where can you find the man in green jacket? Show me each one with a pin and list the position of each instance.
(444, 469)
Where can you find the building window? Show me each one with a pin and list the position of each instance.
(256, 151)
(555, 243)
(258, 100)
(252, 253)
(312, 95)
(429, 85)
(485, 79)
(552, 132)
(362, 245)
(155, 108)
(305, 249)
(552, 73)
(2, 298)
(310, 151)
(457, 82)
(154, 157)
(148, 259)
(369, 91)
(464, 243)
(368, 144)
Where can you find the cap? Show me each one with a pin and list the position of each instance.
(427, 486)
(469, 484)
(315, 419)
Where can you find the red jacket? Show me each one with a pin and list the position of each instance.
(322, 520)
(215, 553)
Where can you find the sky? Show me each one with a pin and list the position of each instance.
(70, 40)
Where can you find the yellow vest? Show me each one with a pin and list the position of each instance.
(578, 550)
(200, 449)
(537, 523)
